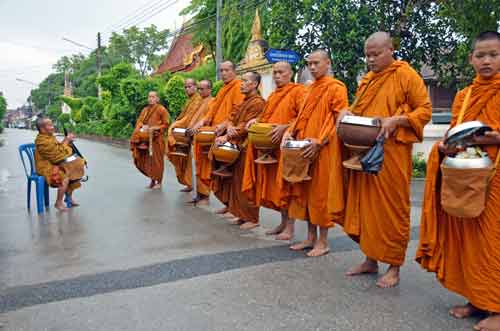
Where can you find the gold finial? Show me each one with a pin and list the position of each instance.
(256, 27)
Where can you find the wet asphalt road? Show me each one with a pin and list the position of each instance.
(134, 259)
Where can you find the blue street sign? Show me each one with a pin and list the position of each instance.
(278, 55)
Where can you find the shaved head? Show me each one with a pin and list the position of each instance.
(322, 53)
(379, 51)
(190, 87)
(205, 88)
(380, 38)
(282, 73)
(250, 82)
(227, 71)
(485, 57)
(283, 65)
(319, 63)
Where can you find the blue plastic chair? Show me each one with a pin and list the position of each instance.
(27, 151)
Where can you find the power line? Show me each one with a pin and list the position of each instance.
(151, 13)
(139, 14)
(77, 43)
(132, 14)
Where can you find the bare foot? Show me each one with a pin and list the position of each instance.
(222, 211)
(390, 278)
(285, 235)
(248, 225)
(464, 311)
(275, 231)
(302, 245)
(60, 206)
(367, 267)
(491, 323)
(186, 189)
(235, 221)
(156, 187)
(319, 249)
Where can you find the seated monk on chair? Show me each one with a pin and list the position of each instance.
(55, 161)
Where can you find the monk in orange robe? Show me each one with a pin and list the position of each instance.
(465, 253)
(261, 182)
(325, 98)
(218, 115)
(246, 213)
(377, 208)
(147, 143)
(205, 90)
(50, 154)
(182, 164)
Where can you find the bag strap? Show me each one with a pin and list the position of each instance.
(465, 104)
(358, 98)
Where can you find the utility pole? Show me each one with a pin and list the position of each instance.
(218, 40)
(98, 62)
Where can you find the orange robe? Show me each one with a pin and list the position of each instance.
(188, 122)
(325, 98)
(151, 166)
(218, 112)
(238, 204)
(261, 182)
(182, 164)
(377, 207)
(48, 154)
(465, 253)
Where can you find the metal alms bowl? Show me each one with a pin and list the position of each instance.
(465, 131)
(226, 153)
(258, 135)
(358, 130)
(205, 135)
(180, 135)
(296, 144)
(476, 163)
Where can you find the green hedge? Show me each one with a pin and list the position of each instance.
(175, 96)
(419, 166)
(124, 96)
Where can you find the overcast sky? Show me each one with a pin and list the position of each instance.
(31, 33)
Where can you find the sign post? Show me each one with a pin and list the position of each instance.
(282, 55)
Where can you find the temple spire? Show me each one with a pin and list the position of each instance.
(256, 27)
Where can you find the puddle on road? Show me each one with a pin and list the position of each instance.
(4, 177)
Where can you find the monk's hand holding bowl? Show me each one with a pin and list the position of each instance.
(69, 138)
(489, 138)
(277, 133)
(388, 126)
(193, 130)
(219, 129)
(221, 140)
(311, 151)
(232, 132)
(286, 136)
(250, 123)
(190, 132)
(449, 149)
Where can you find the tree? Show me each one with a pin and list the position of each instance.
(466, 19)
(339, 26)
(48, 91)
(3, 110)
(138, 47)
